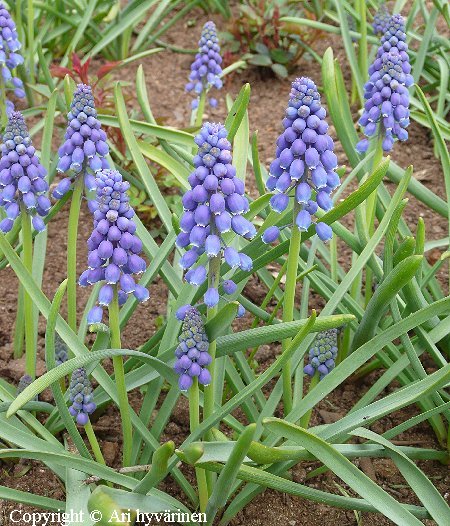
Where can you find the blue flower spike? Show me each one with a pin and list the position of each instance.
(81, 396)
(206, 68)
(214, 205)
(10, 57)
(386, 110)
(305, 162)
(192, 351)
(84, 151)
(22, 176)
(322, 354)
(114, 247)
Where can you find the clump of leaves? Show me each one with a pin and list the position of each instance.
(265, 41)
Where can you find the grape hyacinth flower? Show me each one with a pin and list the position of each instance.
(322, 354)
(61, 353)
(24, 382)
(114, 247)
(206, 69)
(386, 110)
(305, 161)
(10, 57)
(22, 177)
(80, 394)
(192, 351)
(381, 20)
(85, 149)
(214, 205)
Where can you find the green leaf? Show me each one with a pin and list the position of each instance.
(385, 292)
(280, 70)
(260, 60)
(237, 112)
(158, 471)
(419, 482)
(227, 477)
(144, 171)
(345, 470)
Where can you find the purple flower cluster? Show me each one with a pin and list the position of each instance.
(80, 394)
(305, 162)
(214, 205)
(114, 247)
(22, 177)
(322, 354)
(24, 382)
(381, 20)
(10, 58)
(85, 147)
(386, 110)
(192, 351)
(206, 69)
(61, 353)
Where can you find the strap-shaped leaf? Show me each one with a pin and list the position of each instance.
(345, 470)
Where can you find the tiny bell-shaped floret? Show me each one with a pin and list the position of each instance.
(81, 396)
(84, 150)
(192, 352)
(206, 68)
(322, 353)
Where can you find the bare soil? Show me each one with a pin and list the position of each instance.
(165, 75)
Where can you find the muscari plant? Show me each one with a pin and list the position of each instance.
(205, 70)
(389, 331)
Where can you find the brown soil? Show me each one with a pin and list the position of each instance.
(165, 74)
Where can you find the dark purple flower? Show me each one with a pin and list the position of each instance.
(381, 20)
(22, 177)
(24, 382)
(386, 111)
(322, 353)
(85, 149)
(215, 204)
(10, 56)
(305, 162)
(81, 396)
(61, 353)
(114, 247)
(192, 351)
(206, 69)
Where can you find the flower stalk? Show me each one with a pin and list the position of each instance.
(119, 372)
(30, 347)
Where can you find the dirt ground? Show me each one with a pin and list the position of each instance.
(165, 76)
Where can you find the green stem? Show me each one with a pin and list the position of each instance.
(127, 429)
(362, 44)
(200, 109)
(72, 236)
(213, 281)
(27, 254)
(304, 420)
(194, 421)
(289, 301)
(95, 446)
(30, 34)
(19, 331)
(371, 207)
(3, 116)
